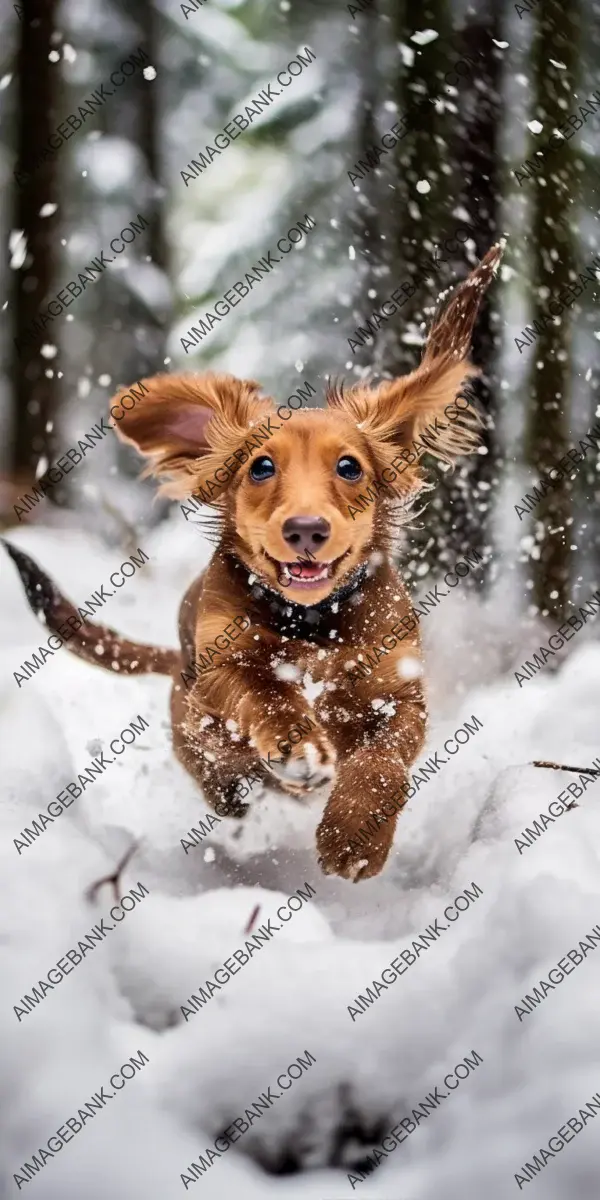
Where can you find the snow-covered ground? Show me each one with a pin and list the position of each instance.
(372, 1068)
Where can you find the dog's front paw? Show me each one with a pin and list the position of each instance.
(300, 755)
(342, 854)
(311, 763)
(357, 829)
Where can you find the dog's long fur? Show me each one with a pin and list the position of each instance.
(366, 731)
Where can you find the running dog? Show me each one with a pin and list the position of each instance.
(301, 583)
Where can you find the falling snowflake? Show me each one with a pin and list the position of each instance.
(409, 668)
(17, 244)
(423, 36)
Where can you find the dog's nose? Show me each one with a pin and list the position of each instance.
(306, 533)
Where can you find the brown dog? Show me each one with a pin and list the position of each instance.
(299, 584)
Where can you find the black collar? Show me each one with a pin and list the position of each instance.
(294, 620)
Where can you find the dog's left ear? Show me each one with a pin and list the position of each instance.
(401, 412)
(186, 424)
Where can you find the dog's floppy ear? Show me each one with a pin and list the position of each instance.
(180, 423)
(410, 411)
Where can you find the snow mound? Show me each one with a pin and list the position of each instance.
(521, 897)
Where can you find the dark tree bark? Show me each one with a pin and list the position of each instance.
(460, 511)
(364, 221)
(452, 146)
(150, 140)
(36, 395)
(423, 218)
(553, 265)
(421, 157)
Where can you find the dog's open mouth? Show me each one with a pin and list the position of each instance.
(304, 573)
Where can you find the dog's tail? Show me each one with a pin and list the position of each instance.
(96, 644)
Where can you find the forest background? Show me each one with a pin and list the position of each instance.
(474, 96)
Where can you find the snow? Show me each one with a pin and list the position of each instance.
(371, 1071)
(424, 36)
(17, 245)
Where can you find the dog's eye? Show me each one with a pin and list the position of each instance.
(262, 468)
(349, 468)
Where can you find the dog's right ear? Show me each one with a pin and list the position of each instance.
(182, 422)
(419, 412)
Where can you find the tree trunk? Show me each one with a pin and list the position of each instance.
(553, 265)
(420, 215)
(36, 394)
(150, 141)
(461, 166)
(364, 223)
(460, 513)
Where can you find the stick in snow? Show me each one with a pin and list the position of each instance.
(552, 766)
(253, 916)
(561, 767)
(114, 878)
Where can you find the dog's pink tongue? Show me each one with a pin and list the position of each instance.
(305, 570)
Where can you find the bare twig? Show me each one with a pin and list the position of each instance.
(114, 878)
(552, 766)
(561, 767)
(253, 916)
